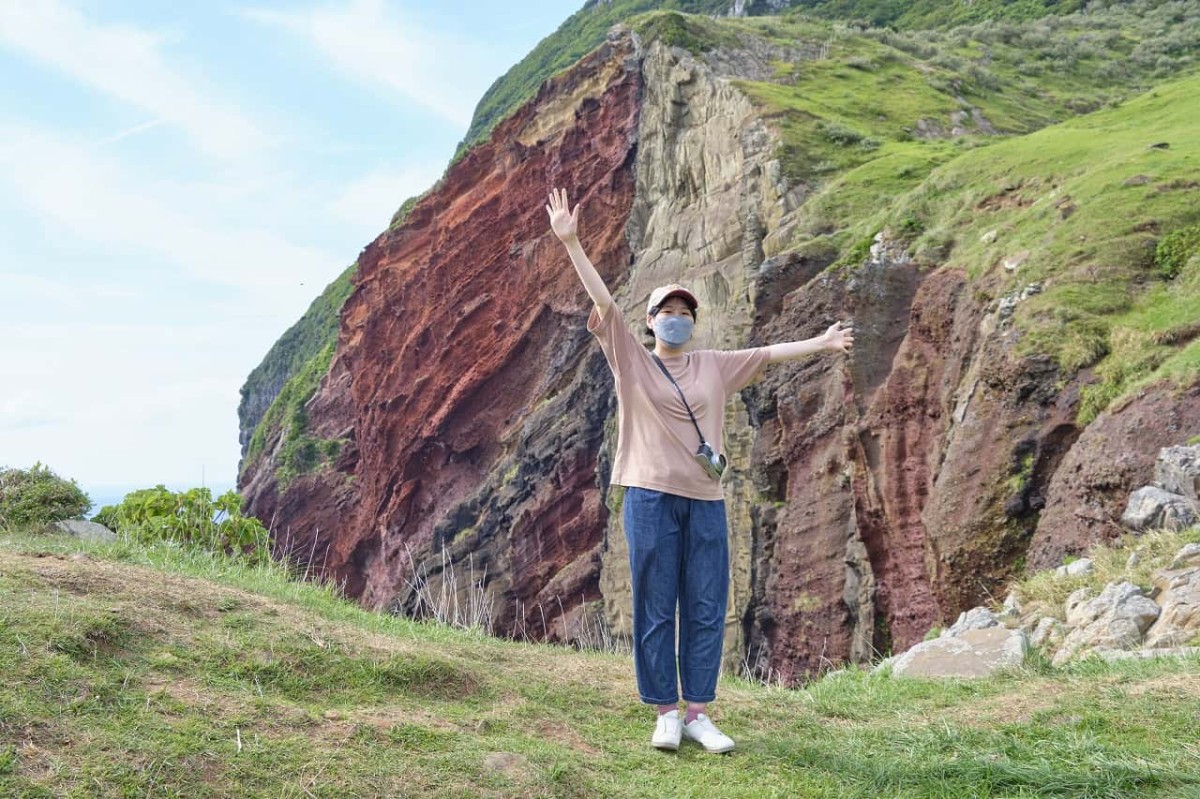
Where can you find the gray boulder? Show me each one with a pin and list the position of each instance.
(973, 619)
(86, 531)
(1178, 470)
(975, 653)
(1048, 634)
(1117, 619)
(1076, 568)
(1152, 508)
(1178, 593)
(1188, 556)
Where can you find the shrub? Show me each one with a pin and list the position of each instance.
(840, 134)
(189, 518)
(1175, 249)
(37, 496)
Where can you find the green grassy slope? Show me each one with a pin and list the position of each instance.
(132, 672)
(924, 14)
(1084, 204)
(297, 361)
(586, 29)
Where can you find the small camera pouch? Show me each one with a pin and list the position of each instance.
(713, 463)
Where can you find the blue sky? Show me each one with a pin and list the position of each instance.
(178, 181)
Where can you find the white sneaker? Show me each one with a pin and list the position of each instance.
(705, 733)
(667, 731)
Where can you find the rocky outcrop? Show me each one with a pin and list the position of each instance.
(1119, 622)
(1087, 495)
(1117, 619)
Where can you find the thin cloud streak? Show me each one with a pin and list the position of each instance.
(127, 63)
(131, 131)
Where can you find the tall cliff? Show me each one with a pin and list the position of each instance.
(1016, 261)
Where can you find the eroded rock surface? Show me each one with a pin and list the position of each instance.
(472, 396)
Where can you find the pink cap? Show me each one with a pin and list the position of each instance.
(663, 293)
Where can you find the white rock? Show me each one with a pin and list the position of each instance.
(1188, 556)
(1048, 633)
(989, 237)
(86, 531)
(1117, 619)
(973, 619)
(1076, 568)
(1076, 600)
(1178, 593)
(1151, 507)
(1013, 263)
(975, 653)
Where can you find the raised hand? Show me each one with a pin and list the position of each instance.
(563, 222)
(840, 338)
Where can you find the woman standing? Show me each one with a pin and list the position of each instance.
(670, 415)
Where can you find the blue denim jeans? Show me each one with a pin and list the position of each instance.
(678, 557)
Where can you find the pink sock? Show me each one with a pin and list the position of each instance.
(664, 709)
(692, 713)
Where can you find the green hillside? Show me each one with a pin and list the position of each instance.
(290, 374)
(137, 670)
(927, 14)
(586, 29)
(1098, 216)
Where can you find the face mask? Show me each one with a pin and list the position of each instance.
(674, 330)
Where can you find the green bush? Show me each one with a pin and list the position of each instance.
(37, 496)
(189, 518)
(1175, 249)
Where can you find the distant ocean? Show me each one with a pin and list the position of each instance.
(113, 495)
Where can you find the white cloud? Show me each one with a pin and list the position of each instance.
(372, 199)
(127, 63)
(96, 400)
(376, 46)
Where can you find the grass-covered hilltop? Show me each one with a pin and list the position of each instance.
(160, 669)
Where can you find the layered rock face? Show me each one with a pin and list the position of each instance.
(869, 497)
(464, 380)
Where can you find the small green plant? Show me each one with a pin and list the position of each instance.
(189, 518)
(37, 497)
(840, 134)
(1175, 249)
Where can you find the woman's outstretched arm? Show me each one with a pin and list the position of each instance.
(835, 338)
(565, 225)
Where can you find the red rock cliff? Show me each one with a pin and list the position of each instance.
(473, 397)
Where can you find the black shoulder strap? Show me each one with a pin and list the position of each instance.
(679, 391)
